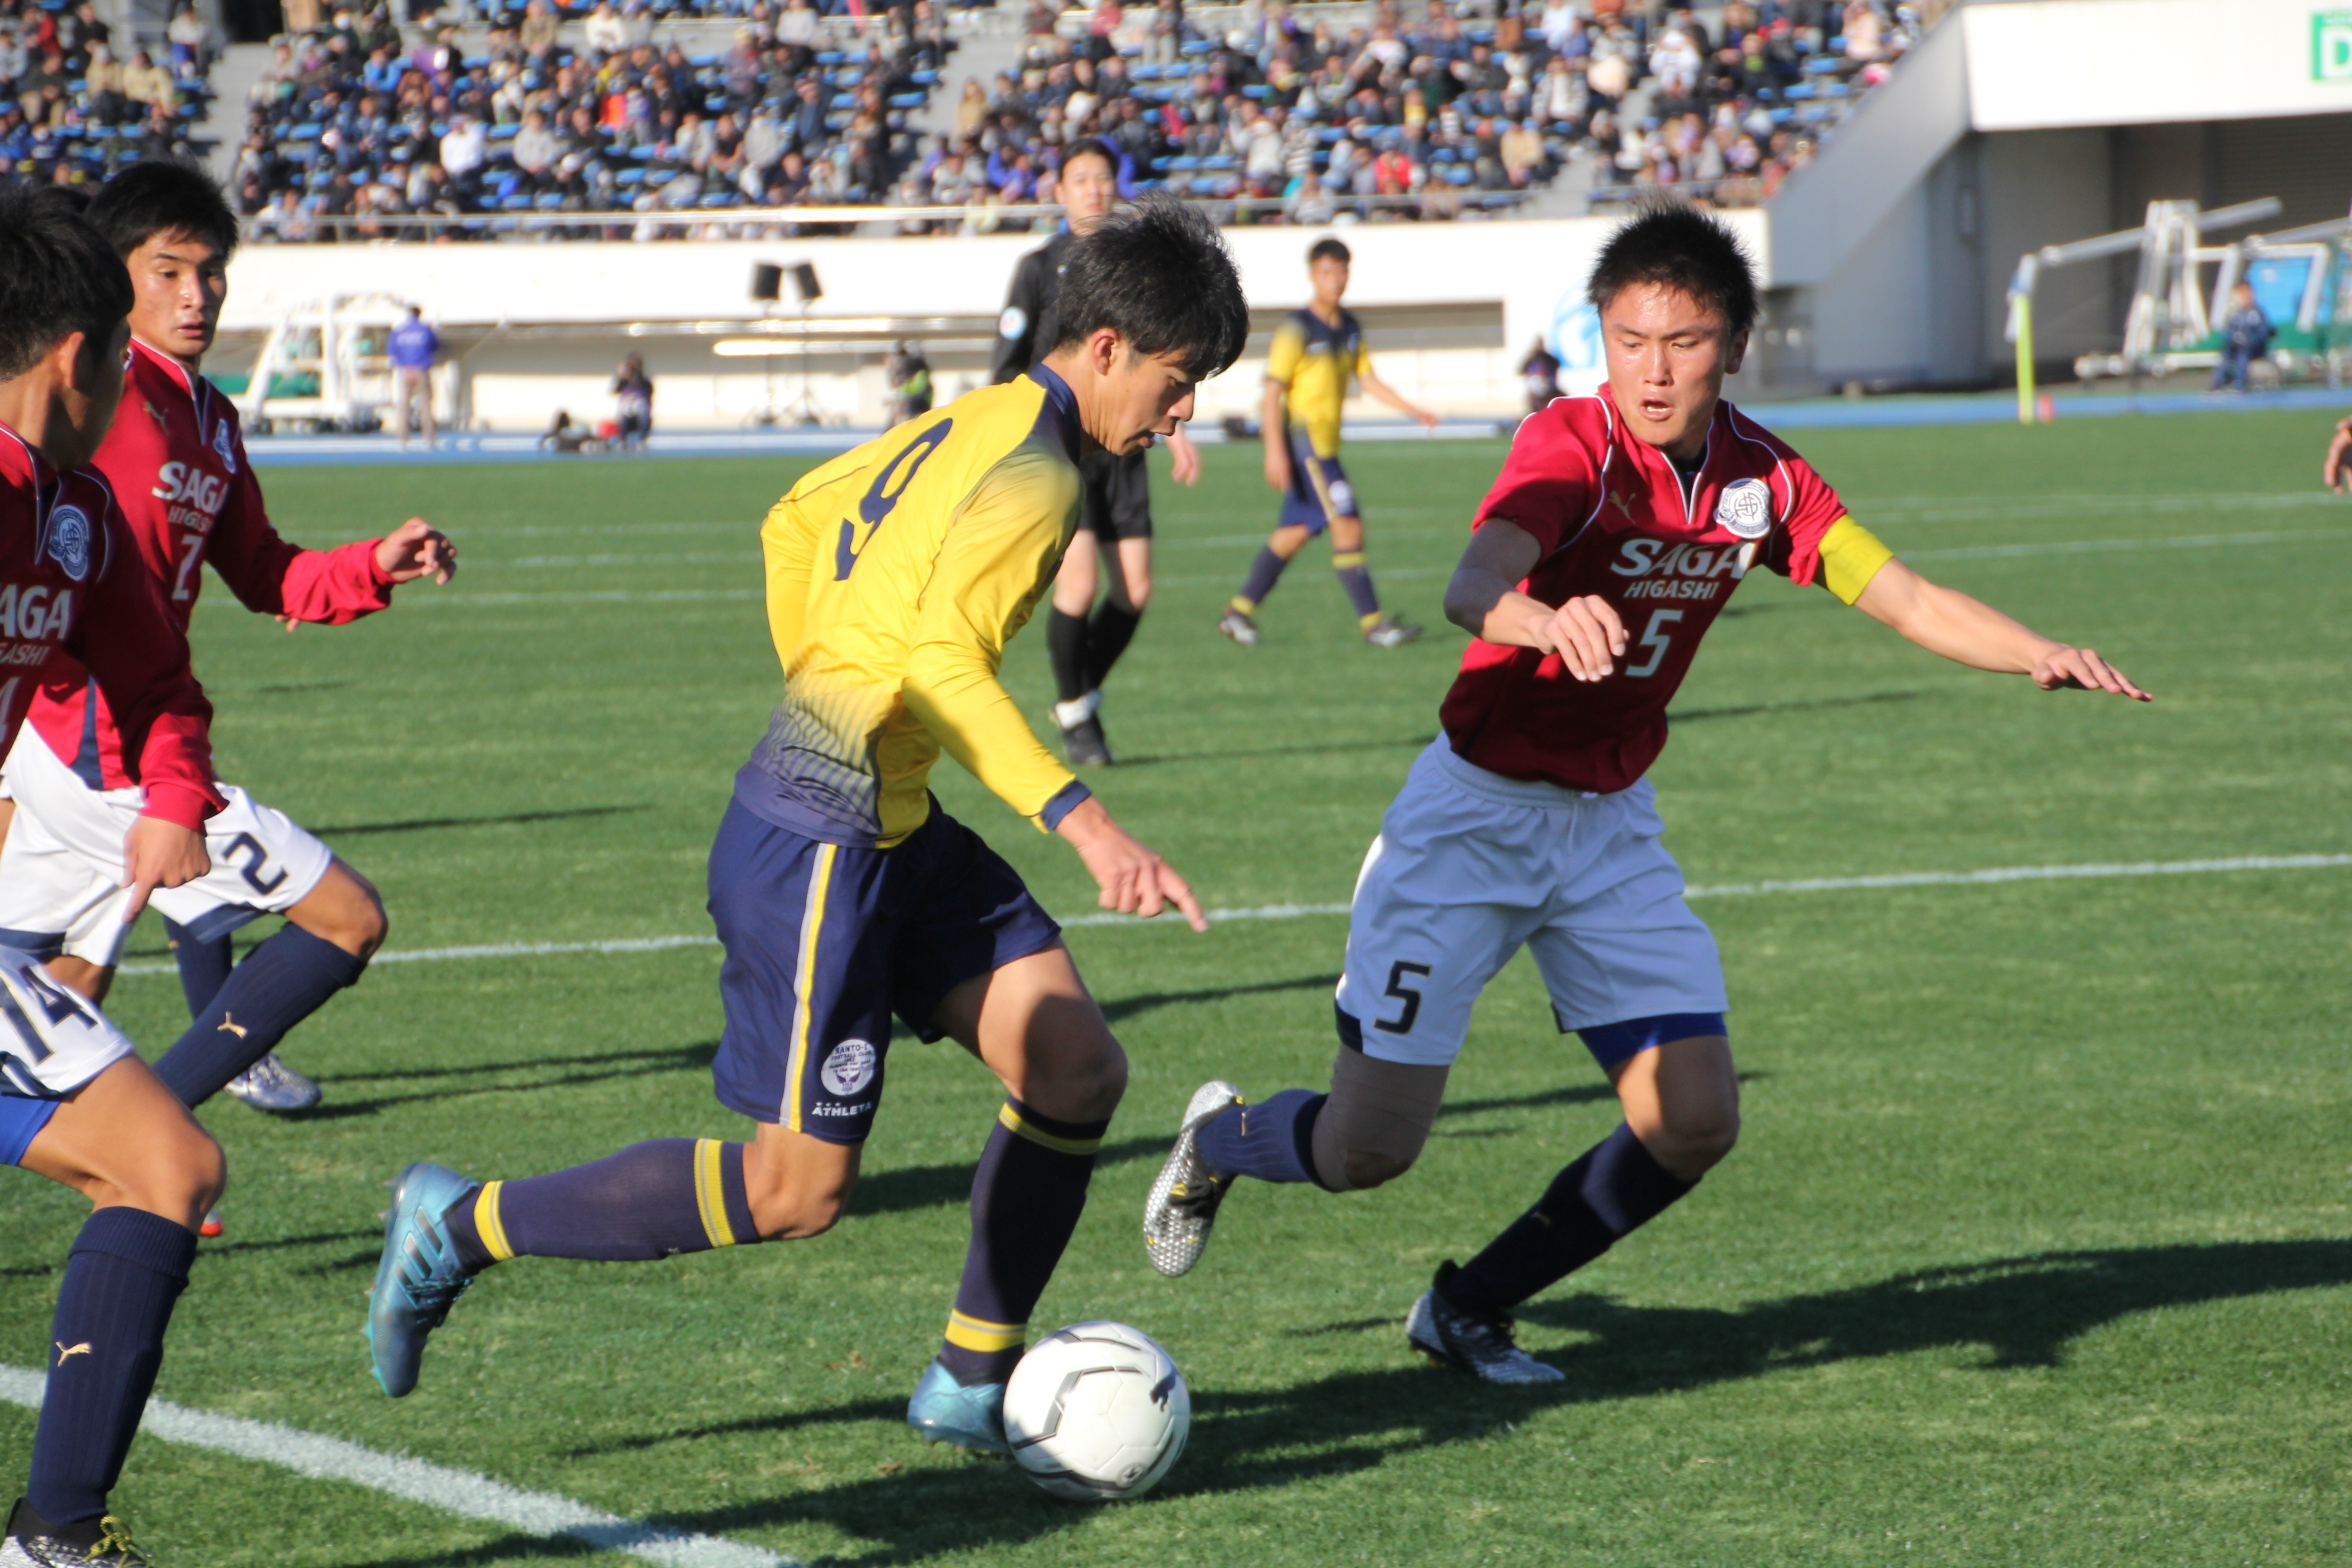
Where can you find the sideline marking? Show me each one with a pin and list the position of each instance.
(1301, 911)
(466, 1493)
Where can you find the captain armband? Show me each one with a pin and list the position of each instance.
(1851, 557)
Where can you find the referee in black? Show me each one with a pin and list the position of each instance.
(1085, 639)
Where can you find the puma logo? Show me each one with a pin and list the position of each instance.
(81, 1348)
(1624, 501)
(229, 1025)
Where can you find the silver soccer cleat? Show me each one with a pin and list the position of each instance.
(270, 1085)
(1479, 1344)
(1389, 632)
(1242, 629)
(1182, 1207)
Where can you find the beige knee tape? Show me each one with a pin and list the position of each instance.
(1372, 1128)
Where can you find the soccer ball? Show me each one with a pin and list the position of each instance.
(1096, 1412)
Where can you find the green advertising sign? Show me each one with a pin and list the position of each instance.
(2331, 46)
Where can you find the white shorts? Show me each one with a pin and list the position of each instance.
(1470, 867)
(62, 869)
(52, 1041)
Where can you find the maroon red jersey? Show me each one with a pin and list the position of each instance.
(176, 461)
(1616, 519)
(73, 599)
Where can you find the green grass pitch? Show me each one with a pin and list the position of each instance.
(2035, 1250)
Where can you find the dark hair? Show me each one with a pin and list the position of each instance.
(1328, 247)
(1158, 274)
(1677, 247)
(56, 278)
(1090, 147)
(163, 196)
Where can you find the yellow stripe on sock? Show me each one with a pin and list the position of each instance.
(1243, 606)
(710, 1191)
(979, 1334)
(486, 1224)
(1352, 559)
(804, 980)
(1366, 623)
(1039, 1136)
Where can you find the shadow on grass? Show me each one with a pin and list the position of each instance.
(1809, 705)
(1243, 753)
(506, 1549)
(2022, 1311)
(512, 820)
(601, 1070)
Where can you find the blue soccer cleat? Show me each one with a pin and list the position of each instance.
(945, 1411)
(420, 1274)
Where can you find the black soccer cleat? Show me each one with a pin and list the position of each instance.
(1084, 745)
(100, 1542)
(1479, 1344)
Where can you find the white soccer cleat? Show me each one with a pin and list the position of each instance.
(270, 1085)
(1479, 1344)
(1182, 1207)
(1242, 629)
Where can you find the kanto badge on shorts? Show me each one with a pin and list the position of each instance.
(69, 541)
(1744, 509)
(224, 448)
(848, 1068)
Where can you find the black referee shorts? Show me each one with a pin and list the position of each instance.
(1119, 495)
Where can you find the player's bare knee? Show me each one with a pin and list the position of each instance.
(1692, 1139)
(785, 1210)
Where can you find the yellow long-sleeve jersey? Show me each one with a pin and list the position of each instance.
(896, 573)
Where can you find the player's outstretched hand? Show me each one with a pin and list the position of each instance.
(2078, 669)
(1586, 632)
(417, 548)
(2338, 469)
(1133, 878)
(160, 854)
(1427, 420)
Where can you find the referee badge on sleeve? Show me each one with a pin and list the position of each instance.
(1744, 509)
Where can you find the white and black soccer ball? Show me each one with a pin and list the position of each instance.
(1096, 1412)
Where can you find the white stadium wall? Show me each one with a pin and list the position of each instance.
(540, 326)
(2021, 124)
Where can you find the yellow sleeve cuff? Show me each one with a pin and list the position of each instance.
(1851, 557)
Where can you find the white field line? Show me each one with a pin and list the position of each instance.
(462, 1492)
(1302, 911)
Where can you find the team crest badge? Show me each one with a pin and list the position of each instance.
(849, 1067)
(1745, 509)
(224, 447)
(69, 541)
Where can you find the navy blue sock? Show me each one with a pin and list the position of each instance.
(126, 1269)
(1026, 1197)
(652, 1199)
(203, 965)
(1263, 573)
(1612, 1189)
(280, 982)
(1273, 1141)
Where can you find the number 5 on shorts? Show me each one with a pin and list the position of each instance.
(1399, 991)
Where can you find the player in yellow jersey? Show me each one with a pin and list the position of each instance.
(896, 574)
(1316, 353)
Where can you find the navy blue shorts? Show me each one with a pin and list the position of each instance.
(824, 941)
(1319, 490)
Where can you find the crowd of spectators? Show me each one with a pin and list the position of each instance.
(351, 123)
(1430, 115)
(75, 100)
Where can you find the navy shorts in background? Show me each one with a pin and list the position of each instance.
(824, 941)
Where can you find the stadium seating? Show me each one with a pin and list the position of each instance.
(78, 100)
(1434, 117)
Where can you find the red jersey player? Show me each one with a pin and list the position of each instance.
(177, 461)
(1620, 526)
(77, 1105)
